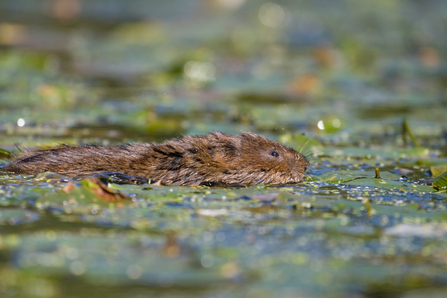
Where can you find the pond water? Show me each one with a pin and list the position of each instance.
(356, 87)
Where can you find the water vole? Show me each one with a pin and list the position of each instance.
(216, 158)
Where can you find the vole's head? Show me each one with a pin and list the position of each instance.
(263, 161)
(246, 159)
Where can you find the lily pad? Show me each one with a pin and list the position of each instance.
(440, 183)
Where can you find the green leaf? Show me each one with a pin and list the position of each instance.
(4, 154)
(437, 170)
(432, 162)
(440, 183)
(406, 129)
(375, 153)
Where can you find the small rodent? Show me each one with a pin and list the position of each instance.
(212, 159)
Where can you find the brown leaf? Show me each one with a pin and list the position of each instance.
(307, 84)
(157, 183)
(68, 188)
(104, 192)
(430, 57)
(172, 248)
(325, 56)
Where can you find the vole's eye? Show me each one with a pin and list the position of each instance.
(274, 153)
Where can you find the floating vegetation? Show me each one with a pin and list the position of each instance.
(359, 89)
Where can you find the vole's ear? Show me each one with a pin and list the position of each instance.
(248, 135)
(226, 138)
(219, 134)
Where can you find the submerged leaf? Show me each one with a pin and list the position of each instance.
(337, 176)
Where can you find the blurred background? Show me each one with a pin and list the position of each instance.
(106, 71)
(364, 81)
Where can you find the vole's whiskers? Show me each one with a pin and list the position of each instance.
(304, 145)
(306, 149)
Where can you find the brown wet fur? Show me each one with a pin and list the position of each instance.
(216, 158)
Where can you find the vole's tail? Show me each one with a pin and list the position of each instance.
(66, 160)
